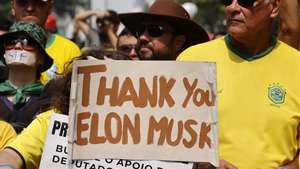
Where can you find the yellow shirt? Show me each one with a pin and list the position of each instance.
(30, 142)
(258, 104)
(7, 133)
(62, 51)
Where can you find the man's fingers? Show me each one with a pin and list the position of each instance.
(226, 165)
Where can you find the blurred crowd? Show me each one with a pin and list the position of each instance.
(258, 51)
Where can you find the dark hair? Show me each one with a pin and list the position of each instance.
(60, 91)
(113, 17)
(124, 32)
(98, 53)
(60, 87)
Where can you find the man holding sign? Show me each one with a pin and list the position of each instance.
(259, 112)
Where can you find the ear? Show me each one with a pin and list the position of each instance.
(12, 9)
(179, 42)
(275, 8)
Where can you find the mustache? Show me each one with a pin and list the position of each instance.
(144, 45)
(234, 16)
(235, 19)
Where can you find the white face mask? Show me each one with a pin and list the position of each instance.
(20, 57)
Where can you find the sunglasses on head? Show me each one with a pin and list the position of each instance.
(26, 43)
(153, 30)
(243, 3)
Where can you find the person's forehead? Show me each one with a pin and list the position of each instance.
(127, 39)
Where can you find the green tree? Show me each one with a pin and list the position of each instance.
(4, 9)
(210, 14)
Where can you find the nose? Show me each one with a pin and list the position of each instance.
(144, 38)
(234, 5)
(18, 45)
(133, 54)
(233, 9)
(30, 5)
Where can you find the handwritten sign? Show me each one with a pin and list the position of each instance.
(144, 111)
(55, 154)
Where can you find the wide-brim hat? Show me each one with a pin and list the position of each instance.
(35, 33)
(172, 13)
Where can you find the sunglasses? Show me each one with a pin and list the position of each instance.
(153, 30)
(243, 3)
(127, 48)
(27, 44)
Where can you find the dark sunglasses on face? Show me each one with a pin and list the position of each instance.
(243, 3)
(27, 44)
(127, 48)
(153, 30)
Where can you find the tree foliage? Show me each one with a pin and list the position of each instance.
(4, 9)
(210, 14)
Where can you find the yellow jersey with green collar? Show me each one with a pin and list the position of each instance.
(258, 103)
(62, 51)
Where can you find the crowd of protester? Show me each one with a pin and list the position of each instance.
(259, 49)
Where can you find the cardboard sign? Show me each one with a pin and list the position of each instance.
(55, 154)
(144, 111)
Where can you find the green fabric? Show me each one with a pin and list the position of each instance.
(20, 94)
(35, 31)
(245, 55)
(50, 40)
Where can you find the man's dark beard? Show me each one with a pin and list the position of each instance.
(157, 57)
(161, 57)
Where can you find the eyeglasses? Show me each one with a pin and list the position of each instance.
(127, 48)
(153, 30)
(243, 3)
(27, 44)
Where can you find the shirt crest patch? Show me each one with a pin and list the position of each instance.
(276, 93)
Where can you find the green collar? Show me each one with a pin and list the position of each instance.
(50, 40)
(245, 55)
(20, 93)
